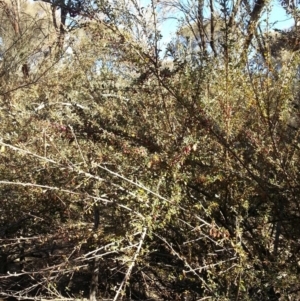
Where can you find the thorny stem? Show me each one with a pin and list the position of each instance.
(127, 275)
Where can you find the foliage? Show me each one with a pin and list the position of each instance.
(129, 170)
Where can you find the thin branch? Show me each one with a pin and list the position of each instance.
(128, 273)
(184, 261)
(254, 17)
(53, 188)
(77, 144)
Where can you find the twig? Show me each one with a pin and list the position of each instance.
(53, 188)
(132, 264)
(184, 261)
(78, 146)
